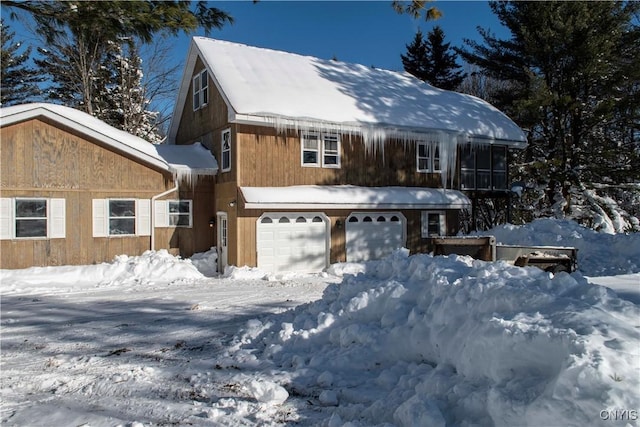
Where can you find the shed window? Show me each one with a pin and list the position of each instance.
(200, 90)
(226, 150)
(32, 218)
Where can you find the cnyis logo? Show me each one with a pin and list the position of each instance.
(619, 415)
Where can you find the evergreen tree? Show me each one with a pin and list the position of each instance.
(572, 70)
(432, 60)
(415, 61)
(19, 82)
(443, 72)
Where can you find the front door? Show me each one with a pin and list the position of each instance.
(222, 241)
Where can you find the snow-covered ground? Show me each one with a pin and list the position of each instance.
(406, 341)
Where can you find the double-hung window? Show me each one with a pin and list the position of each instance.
(179, 213)
(121, 217)
(173, 213)
(434, 223)
(226, 150)
(32, 218)
(428, 157)
(320, 149)
(200, 90)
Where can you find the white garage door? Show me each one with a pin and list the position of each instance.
(374, 235)
(292, 242)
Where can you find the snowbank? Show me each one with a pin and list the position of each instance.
(454, 341)
(151, 266)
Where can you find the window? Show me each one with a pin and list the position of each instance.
(331, 151)
(121, 217)
(173, 213)
(320, 150)
(32, 218)
(180, 213)
(433, 224)
(200, 90)
(428, 157)
(310, 150)
(483, 167)
(226, 150)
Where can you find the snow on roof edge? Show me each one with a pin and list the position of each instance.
(351, 196)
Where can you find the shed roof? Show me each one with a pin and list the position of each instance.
(289, 90)
(180, 160)
(352, 197)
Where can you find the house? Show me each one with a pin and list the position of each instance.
(323, 161)
(74, 190)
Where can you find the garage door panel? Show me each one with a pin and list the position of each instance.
(374, 235)
(299, 242)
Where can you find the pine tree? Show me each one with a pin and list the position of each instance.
(415, 61)
(19, 82)
(443, 72)
(432, 60)
(572, 70)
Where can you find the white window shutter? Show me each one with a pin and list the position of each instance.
(100, 217)
(424, 224)
(57, 218)
(161, 213)
(143, 217)
(6, 218)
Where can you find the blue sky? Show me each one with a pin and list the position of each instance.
(364, 32)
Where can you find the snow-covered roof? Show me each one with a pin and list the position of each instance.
(352, 197)
(286, 90)
(183, 160)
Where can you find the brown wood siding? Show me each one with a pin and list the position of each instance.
(227, 194)
(268, 158)
(247, 227)
(39, 159)
(206, 124)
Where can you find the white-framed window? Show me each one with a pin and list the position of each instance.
(434, 223)
(121, 217)
(173, 213)
(200, 90)
(427, 157)
(320, 149)
(310, 149)
(32, 218)
(226, 150)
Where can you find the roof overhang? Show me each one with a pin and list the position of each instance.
(352, 197)
(88, 126)
(184, 161)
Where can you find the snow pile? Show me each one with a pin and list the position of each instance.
(599, 254)
(454, 341)
(151, 266)
(206, 262)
